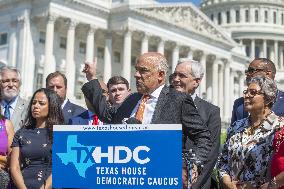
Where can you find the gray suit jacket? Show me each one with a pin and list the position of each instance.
(20, 113)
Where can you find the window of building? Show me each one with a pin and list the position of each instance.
(101, 52)
(228, 15)
(266, 16)
(247, 50)
(257, 52)
(42, 37)
(256, 16)
(39, 78)
(78, 92)
(63, 42)
(274, 17)
(237, 16)
(282, 19)
(247, 15)
(219, 18)
(82, 48)
(3, 38)
(117, 57)
(212, 17)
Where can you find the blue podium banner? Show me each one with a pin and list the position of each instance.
(117, 156)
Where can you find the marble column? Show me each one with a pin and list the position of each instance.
(70, 63)
(107, 57)
(175, 57)
(190, 54)
(144, 44)
(215, 82)
(233, 15)
(161, 46)
(126, 66)
(90, 44)
(49, 62)
(221, 86)
(264, 45)
(203, 81)
(227, 89)
(252, 49)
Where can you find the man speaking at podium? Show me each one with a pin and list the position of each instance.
(154, 103)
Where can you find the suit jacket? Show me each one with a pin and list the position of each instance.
(240, 113)
(71, 110)
(211, 117)
(20, 113)
(172, 108)
(81, 119)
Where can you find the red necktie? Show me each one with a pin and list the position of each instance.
(95, 120)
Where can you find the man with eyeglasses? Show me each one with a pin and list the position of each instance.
(13, 107)
(258, 67)
(186, 78)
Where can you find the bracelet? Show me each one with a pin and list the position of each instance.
(272, 184)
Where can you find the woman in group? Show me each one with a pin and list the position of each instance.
(6, 137)
(245, 158)
(32, 145)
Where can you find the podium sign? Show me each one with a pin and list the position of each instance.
(117, 156)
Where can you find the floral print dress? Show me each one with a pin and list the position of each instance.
(35, 155)
(247, 153)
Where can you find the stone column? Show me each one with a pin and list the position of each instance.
(242, 15)
(233, 15)
(107, 57)
(144, 44)
(221, 86)
(215, 82)
(223, 17)
(264, 45)
(276, 55)
(190, 53)
(126, 66)
(12, 61)
(227, 89)
(49, 62)
(90, 44)
(175, 57)
(70, 63)
(161, 46)
(203, 81)
(232, 89)
(252, 49)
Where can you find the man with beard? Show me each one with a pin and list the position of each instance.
(262, 67)
(154, 103)
(13, 107)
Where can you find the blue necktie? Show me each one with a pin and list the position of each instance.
(7, 111)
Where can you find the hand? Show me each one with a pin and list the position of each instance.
(245, 185)
(264, 186)
(90, 70)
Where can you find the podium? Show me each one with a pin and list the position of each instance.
(117, 156)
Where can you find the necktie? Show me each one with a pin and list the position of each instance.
(140, 112)
(95, 120)
(7, 111)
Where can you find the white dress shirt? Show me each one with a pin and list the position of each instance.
(149, 106)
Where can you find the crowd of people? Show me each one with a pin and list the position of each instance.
(252, 156)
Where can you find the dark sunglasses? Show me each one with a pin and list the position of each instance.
(251, 70)
(252, 92)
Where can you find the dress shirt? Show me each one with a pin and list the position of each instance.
(64, 102)
(12, 104)
(149, 106)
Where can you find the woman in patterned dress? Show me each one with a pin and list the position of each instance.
(247, 152)
(32, 145)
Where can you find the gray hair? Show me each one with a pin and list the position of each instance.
(10, 68)
(268, 88)
(197, 70)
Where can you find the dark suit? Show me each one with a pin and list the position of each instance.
(240, 113)
(81, 119)
(71, 110)
(211, 117)
(172, 108)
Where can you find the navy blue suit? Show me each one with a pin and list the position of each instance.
(81, 119)
(71, 110)
(240, 113)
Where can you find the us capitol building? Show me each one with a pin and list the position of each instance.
(41, 36)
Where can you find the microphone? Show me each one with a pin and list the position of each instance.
(133, 120)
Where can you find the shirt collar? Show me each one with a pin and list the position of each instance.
(193, 96)
(64, 102)
(12, 103)
(156, 93)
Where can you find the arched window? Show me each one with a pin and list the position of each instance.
(237, 16)
(228, 15)
(219, 18)
(256, 17)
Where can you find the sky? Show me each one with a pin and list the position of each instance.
(196, 2)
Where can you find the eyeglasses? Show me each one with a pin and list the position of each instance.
(252, 92)
(251, 70)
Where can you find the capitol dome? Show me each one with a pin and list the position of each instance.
(258, 25)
